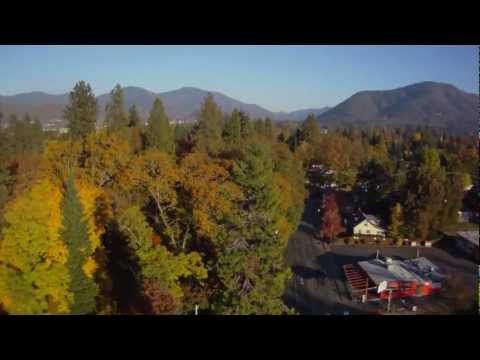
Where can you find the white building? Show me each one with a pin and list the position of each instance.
(368, 225)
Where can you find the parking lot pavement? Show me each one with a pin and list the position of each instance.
(309, 294)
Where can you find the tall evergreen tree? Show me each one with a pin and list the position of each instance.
(396, 221)
(310, 131)
(159, 133)
(425, 198)
(246, 126)
(116, 119)
(133, 117)
(209, 132)
(233, 129)
(81, 113)
(269, 128)
(75, 235)
(250, 264)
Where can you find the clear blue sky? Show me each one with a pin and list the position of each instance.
(280, 78)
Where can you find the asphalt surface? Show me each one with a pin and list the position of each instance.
(310, 293)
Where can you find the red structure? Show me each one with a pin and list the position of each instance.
(382, 277)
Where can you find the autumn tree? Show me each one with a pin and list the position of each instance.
(116, 119)
(80, 263)
(159, 133)
(34, 278)
(81, 112)
(160, 270)
(331, 224)
(157, 174)
(209, 132)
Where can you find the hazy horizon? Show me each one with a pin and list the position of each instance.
(278, 78)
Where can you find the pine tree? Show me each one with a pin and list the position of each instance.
(269, 130)
(233, 129)
(133, 117)
(396, 221)
(246, 126)
(209, 132)
(250, 264)
(426, 194)
(81, 113)
(310, 131)
(75, 235)
(159, 133)
(115, 117)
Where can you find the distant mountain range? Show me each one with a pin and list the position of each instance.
(430, 104)
(426, 104)
(181, 104)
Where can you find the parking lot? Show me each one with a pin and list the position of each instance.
(310, 293)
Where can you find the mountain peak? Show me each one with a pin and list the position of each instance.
(426, 103)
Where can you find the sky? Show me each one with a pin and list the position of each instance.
(279, 78)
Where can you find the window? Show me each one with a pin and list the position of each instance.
(368, 231)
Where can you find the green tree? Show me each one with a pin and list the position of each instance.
(159, 133)
(75, 235)
(134, 119)
(250, 265)
(157, 264)
(396, 221)
(81, 113)
(426, 195)
(269, 129)
(233, 129)
(246, 125)
(116, 118)
(310, 131)
(209, 132)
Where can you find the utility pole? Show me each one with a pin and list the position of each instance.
(389, 300)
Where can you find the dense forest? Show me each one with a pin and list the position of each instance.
(145, 219)
(416, 179)
(136, 217)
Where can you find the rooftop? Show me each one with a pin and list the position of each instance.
(471, 236)
(418, 270)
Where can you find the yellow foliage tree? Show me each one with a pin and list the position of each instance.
(34, 278)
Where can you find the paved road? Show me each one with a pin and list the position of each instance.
(308, 293)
